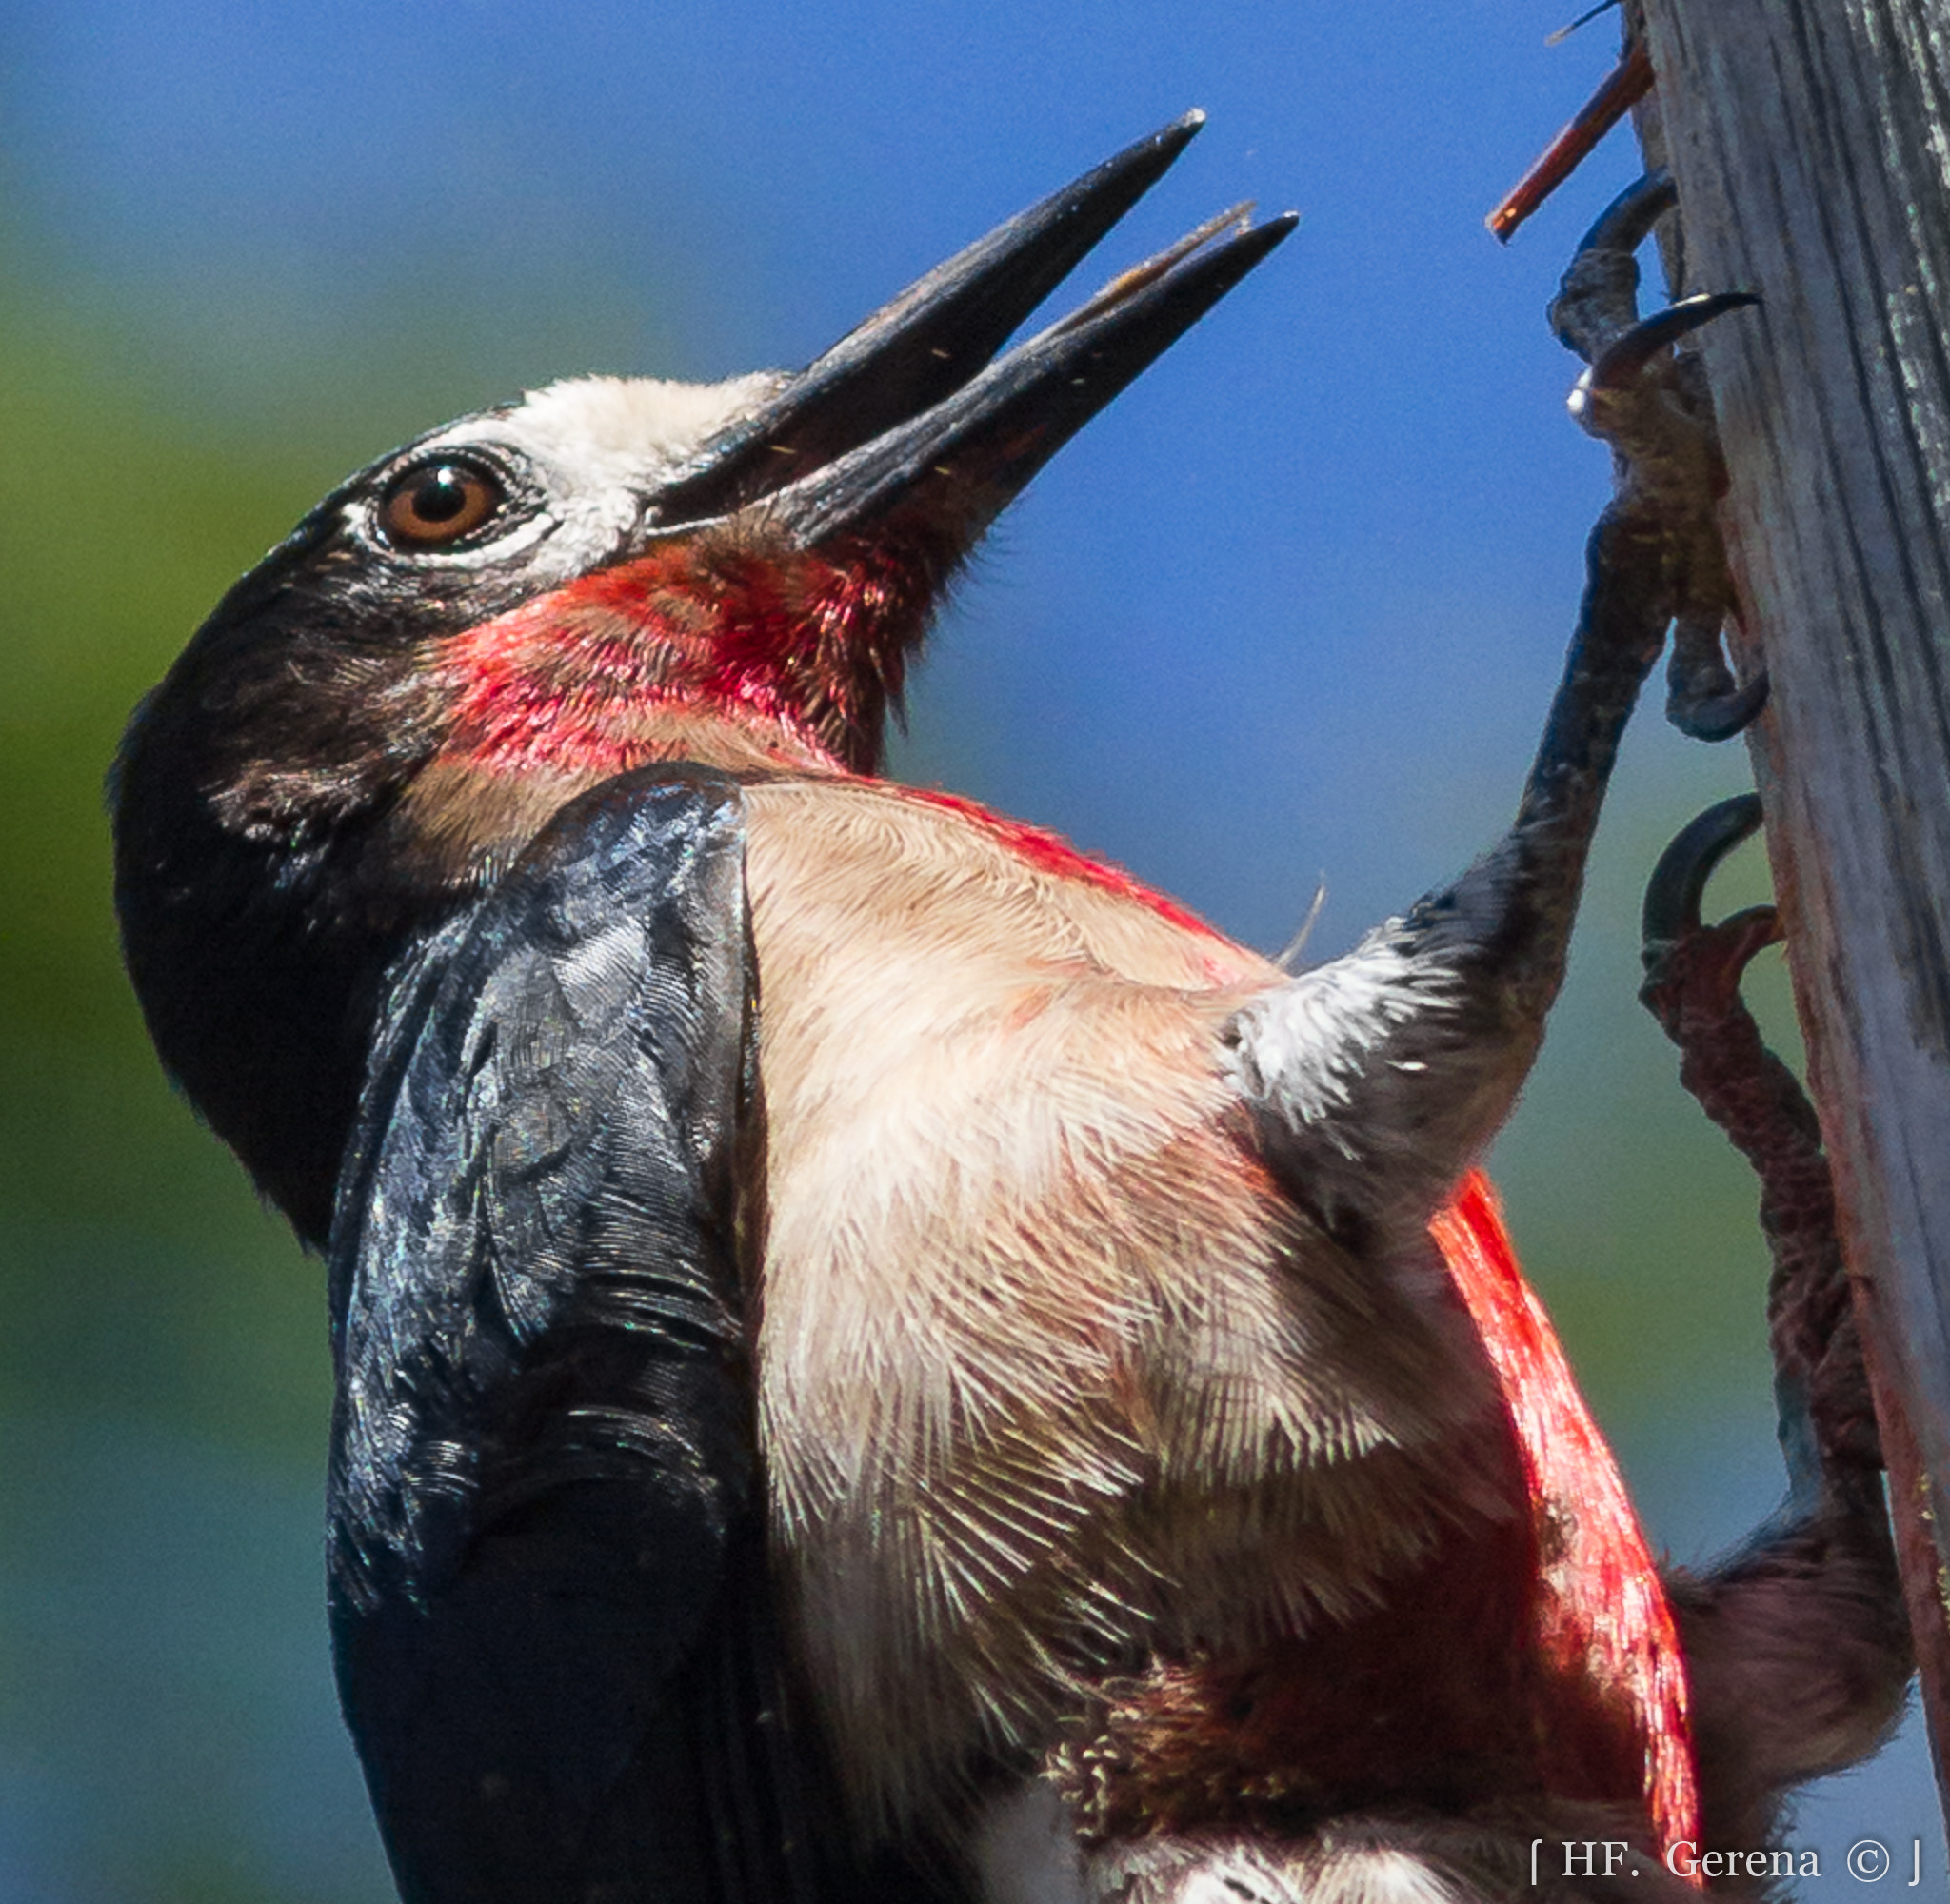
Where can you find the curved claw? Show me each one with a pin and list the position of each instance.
(1618, 364)
(1599, 295)
(1718, 716)
(1702, 700)
(1678, 882)
(1627, 220)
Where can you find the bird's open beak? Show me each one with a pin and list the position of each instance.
(914, 407)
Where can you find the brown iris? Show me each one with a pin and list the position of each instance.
(438, 503)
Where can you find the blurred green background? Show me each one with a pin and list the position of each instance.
(1290, 613)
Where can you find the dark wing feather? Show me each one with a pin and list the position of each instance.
(546, 1577)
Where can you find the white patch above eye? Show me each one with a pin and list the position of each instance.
(605, 429)
(595, 446)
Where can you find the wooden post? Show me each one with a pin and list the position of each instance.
(1811, 143)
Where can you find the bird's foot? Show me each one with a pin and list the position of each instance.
(1795, 1644)
(1693, 974)
(1652, 406)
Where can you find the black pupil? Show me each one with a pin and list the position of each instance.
(440, 496)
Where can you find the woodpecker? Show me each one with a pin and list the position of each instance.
(876, 1357)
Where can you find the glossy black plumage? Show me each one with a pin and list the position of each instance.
(545, 1557)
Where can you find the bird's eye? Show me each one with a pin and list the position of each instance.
(438, 503)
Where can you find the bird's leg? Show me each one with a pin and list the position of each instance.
(1797, 1645)
(1379, 1077)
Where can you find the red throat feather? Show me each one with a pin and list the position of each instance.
(808, 647)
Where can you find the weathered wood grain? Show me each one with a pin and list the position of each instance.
(1811, 143)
